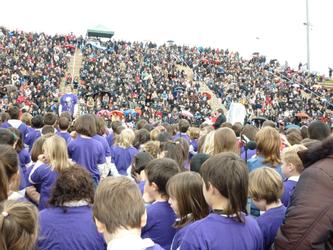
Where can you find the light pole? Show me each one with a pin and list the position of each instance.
(307, 36)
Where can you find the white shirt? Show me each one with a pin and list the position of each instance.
(130, 241)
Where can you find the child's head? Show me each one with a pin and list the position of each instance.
(141, 137)
(268, 145)
(157, 174)
(85, 125)
(225, 141)
(100, 125)
(208, 145)
(194, 133)
(237, 128)
(118, 205)
(183, 125)
(7, 137)
(265, 187)
(126, 138)
(47, 129)
(140, 161)
(73, 184)
(37, 147)
(173, 150)
(9, 175)
(55, 151)
(225, 186)
(186, 197)
(63, 123)
(14, 112)
(151, 147)
(291, 163)
(26, 118)
(50, 119)
(197, 161)
(37, 121)
(18, 225)
(19, 141)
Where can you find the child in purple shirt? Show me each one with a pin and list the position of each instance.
(63, 124)
(183, 126)
(292, 168)
(35, 132)
(119, 214)
(160, 217)
(187, 201)
(68, 221)
(86, 151)
(45, 174)
(123, 152)
(265, 188)
(225, 183)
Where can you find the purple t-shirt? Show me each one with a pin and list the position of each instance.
(31, 137)
(104, 143)
(67, 136)
(68, 102)
(217, 232)
(269, 224)
(110, 139)
(159, 225)
(122, 158)
(24, 158)
(73, 228)
(178, 238)
(181, 135)
(289, 187)
(44, 177)
(21, 126)
(88, 153)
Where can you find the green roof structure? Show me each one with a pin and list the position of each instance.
(100, 31)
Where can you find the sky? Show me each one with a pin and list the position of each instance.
(275, 28)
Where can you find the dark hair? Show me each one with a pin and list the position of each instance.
(7, 137)
(14, 112)
(249, 131)
(19, 139)
(63, 123)
(47, 129)
(160, 171)
(163, 137)
(304, 132)
(85, 125)
(183, 125)
(318, 130)
(115, 125)
(197, 161)
(228, 173)
(140, 161)
(269, 123)
(141, 123)
(100, 125)
(141, 137)
(73, 184)
(186, 189)
(173, 150)
(37, 148)
(37, 121)
(49, 119)
(237, 128)
(67, 115)
(148, 126)
(8, 168)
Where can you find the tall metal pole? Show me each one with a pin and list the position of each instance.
(307, 36)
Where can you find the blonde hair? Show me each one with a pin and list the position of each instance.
(208, 145)
(126, 138)
(26, 118)
(18, 225)
(194, 133)
(265, 184)
(225, 140)
(268, 145)
(151, 147)
(55, 149)
(155, 132)
(289, 155)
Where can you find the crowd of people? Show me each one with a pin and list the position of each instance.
(155, 179)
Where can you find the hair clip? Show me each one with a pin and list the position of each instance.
(4, 214)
